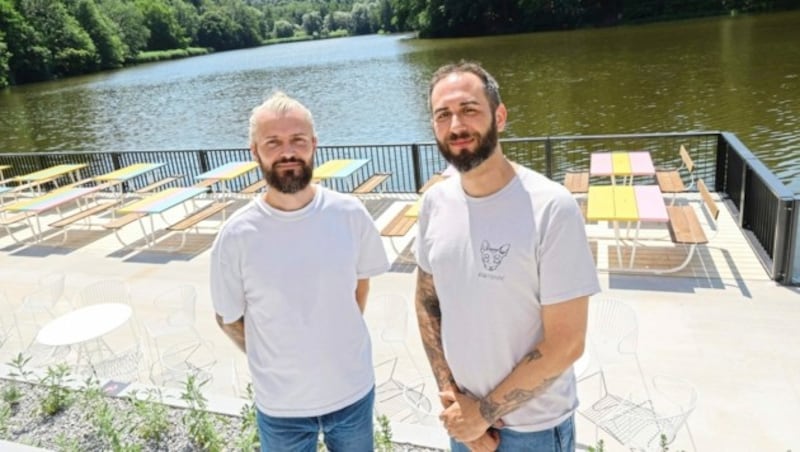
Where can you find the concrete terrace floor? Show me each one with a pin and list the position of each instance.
(721, 324)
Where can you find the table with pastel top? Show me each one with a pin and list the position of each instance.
(225, 173)
(639, 204)
(621, 164)
(158, 203)
(338, 169)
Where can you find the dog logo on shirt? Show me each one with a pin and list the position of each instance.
(493, 257)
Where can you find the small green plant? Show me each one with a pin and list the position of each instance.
(199, 422)
(383, 435)
(12, 394)
(107, 422)
(67, 444)
(5, 415)
(248, 440)
(154, 423)
(599, 448)
(58, 397)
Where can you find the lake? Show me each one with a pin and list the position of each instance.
(739, 74)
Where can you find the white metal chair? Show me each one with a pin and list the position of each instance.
(613, 337)
(413, 401)
(182, 359)
(44, 299)
(173, 331)
(122, 366)
(640, 420)
(612, 340)
(393, 331)
(105, 291)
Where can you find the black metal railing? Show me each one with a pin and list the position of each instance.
(765, 208)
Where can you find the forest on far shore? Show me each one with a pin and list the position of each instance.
(47, 39)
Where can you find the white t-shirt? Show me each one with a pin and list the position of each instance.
(293, 276)
(495, 261)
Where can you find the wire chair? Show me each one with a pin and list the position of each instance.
(646, 422)
(105, 291)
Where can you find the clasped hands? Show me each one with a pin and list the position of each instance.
(463, 421)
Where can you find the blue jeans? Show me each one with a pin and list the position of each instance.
(348, 429)
(560, 438)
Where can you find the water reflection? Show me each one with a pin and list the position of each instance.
(739, 74)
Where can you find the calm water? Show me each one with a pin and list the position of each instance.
(740, 74)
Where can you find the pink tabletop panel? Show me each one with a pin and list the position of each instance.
(641, 163)
(650, 203)
(600, 164)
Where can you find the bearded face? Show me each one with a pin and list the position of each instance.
(288, 175)
(467, 159)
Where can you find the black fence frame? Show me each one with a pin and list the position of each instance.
(764, 207)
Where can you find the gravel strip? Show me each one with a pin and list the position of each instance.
(76, 427)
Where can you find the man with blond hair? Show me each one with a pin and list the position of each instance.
(289, 282)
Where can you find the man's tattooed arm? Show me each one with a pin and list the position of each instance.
(564, 326)
(429, 317)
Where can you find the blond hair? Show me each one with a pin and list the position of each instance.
(279, 103)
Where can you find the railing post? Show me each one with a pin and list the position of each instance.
(115, 163)
(202, 157)
(793, 244)
(416, 161)
(783, 240)
(720, 183)
(548, 158)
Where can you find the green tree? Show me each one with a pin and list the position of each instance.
(72, 49)
(104, 34)
(283, 29)
(4, 57)
(217, 30)
(312, 23)
(165, 31)
(29, 58)
(360, 19)
(130, 24)
(187, 16)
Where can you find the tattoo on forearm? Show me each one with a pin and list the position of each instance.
(429, 317)
(491, 411)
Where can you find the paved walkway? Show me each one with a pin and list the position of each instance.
(732, 332)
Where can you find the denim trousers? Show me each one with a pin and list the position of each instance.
(560, 438)
(346, 430)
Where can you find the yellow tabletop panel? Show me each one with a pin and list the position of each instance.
(621, 162)
(625, 204)
(329, 168)
(601, 203)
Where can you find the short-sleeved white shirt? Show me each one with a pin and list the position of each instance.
(293, 277)
(495, 261)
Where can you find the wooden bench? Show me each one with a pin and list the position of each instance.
(399, 225)
(577, 182)
(684, 226)
(159, 183)
(372, 183)
(6, 220)
(255, 187)
(670, 181)
(430, 182)
(98, 208)
(124, 220)
(196, 217)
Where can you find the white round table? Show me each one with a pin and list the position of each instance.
(84, 324)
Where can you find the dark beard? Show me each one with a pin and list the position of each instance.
(468, 160)
(288, 182)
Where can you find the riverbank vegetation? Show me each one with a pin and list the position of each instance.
(46, 39)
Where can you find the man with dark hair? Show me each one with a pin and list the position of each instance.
(504, 277)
